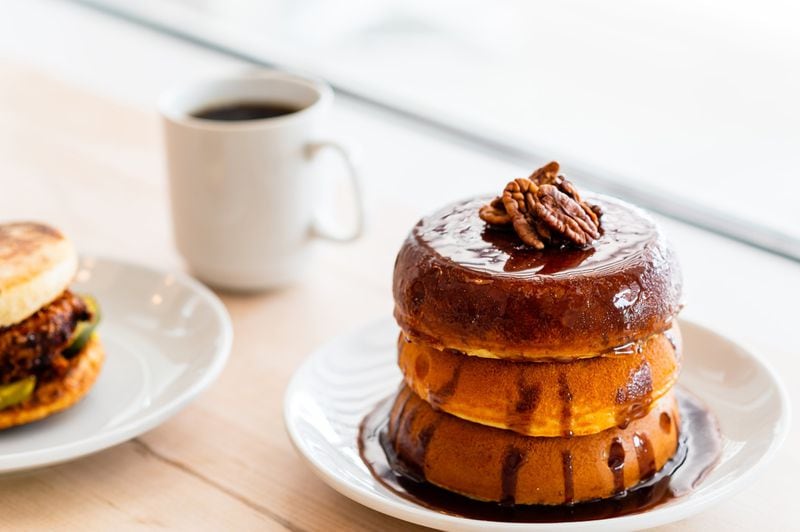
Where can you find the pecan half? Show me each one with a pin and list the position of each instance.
(519, 200)
(546, 175)
(565, 216)
(495, 213)
(544, 208)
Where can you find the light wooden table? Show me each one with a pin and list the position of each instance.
(80, 147)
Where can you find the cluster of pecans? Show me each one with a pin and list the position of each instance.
(544, 208)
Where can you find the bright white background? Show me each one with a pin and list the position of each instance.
(697, 97)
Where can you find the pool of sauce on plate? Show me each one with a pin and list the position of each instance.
(698, 452)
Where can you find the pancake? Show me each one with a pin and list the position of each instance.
(492, 464)
(581, 397)
(37, 263)
(61, 392)
(461, 284)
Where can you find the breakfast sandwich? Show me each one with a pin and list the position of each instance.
(50, 355)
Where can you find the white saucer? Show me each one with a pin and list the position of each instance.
(166, 338)
(338, 384)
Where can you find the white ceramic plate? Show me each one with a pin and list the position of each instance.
(166, 338)
(342, 381)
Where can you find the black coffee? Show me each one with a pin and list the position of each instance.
(234, 112)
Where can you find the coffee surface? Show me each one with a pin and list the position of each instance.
(240, 111)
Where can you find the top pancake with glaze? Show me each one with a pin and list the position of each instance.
(462, 284)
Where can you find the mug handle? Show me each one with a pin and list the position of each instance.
(312, 149)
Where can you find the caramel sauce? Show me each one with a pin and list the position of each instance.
(565, 394)
(698, 452)
(616, 463)
(644, 455)
(527, 395)
(527, 401)
(638, 387)
(393, 420)
(569, 483)
(464, 238)
(421, 367)
(633, 412)
(425, 437)
(666, 422)
(512, 461)
(439, 397)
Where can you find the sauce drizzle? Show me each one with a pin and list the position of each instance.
(569, 482)
(440, 396)
(616, 463)
(512, 462)
(644, 455)
(565, 394)
(527, 401)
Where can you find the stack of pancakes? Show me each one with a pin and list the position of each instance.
(536, 377)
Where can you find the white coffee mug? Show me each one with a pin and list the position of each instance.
(244, 206)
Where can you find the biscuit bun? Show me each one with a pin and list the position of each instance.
(37, 263)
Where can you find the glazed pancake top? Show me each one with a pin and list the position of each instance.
(461, 284)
